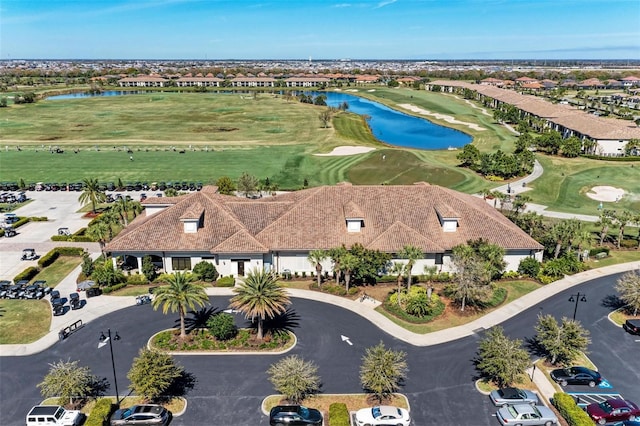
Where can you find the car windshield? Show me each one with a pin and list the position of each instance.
(513, 411)
(126, 413)
(304, 412)
(375, 411)
(606, 407)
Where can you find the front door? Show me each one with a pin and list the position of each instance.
(241, 268)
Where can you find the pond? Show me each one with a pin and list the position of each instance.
(387, 125)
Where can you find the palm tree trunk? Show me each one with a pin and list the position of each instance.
(183, 330)
(347, 278)
(463, 300)
(260, 332)
(557, 251)
(319, 274)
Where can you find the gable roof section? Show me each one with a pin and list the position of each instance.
(394, 216)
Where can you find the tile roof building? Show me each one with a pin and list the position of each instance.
(238, 234)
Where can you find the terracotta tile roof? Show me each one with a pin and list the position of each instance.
(314, 218)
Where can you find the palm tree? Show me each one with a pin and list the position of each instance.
(623, 220)
(348, 263)
(398, 269)
(411, 253)
(259, 296)
(92, 194)
(100, 232)
(316, 257)
(336, 255)
(604, 223)
(180, 295)
(123, 206)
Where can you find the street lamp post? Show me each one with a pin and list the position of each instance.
(577, 298)
(103, 341)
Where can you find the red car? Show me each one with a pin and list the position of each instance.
(613, 410)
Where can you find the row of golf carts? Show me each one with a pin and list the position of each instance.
(39, 289)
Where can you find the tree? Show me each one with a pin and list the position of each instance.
(153, 373)
(99, 232)
(336, 254)
(383, 371)
(247, 184)
(222, 326)
(412, 254)
(628, 286)
(181, 294)
(398, 268)
(471, 280)
(67, 380)
(295, 378)
(148, 268)
(105, 275)
(259, 296)
(123, 206)
(205, 271)
(501, 359)
(316, 257)
(225, 185)
(326, 116)
(562, 342)
(349, 263)
(92, 193)
(623, 218)
(604, 222)
(571, 147)
(469, 156)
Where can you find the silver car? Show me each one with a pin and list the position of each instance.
(510, 396)
(527, 415)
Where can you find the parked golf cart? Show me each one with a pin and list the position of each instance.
(64, 231)
(9, 231)
(74, 301)
(29, 254)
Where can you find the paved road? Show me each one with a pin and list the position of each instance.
(440, 386)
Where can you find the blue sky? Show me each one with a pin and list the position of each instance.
(320, 29)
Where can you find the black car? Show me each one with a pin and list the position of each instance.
(282, 415)
(576, 376)
(632, 326)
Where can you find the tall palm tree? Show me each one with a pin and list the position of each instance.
(348, 263)
(336, 255)
(100, 232)
(412, 254)
(398, 269)
(604, 222)
(92, 193)
(123, 206)
(180, 295)
(259, 296)
(316, 257)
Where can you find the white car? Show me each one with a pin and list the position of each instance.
(382, 415)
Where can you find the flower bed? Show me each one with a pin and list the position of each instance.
(203, 340)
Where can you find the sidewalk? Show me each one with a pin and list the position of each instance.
(102, 305)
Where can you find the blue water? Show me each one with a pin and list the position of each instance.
(387, 125)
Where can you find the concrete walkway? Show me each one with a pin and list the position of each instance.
(102, 305)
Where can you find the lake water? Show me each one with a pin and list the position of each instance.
(387, 125)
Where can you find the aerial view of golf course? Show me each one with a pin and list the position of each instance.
(188, 136)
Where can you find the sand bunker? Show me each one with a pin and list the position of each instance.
(447, 118)
(605, 193)
(347, 150)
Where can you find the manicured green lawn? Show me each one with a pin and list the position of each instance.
(58, 270)
(23, 321)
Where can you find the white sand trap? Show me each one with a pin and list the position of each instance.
(447, 118)
(340, 151)
(605, 193)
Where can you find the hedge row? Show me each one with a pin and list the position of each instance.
(48, 258)
(599, 157)
(572, 413)
(100, 413)
(27, 274)
(73, 238)
(338, 414)
(112, 288)
(226, 281)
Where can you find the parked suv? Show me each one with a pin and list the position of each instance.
(53, 415)
(294, 415)
(632, 326)
(145, 414)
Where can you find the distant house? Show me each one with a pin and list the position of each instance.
(238, 234)
(208, 81)
(241, 81)
(143, 81)
(306, 81)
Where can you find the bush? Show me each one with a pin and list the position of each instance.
(112, 288)
(205, 271)
(628, 244)
(137, 279)
(100, 413)
(27, 274)
(338, 414)
(60, 238)
(529, 267)
(598, 250)
(226, 281)
(498, 295)
(81, 239)
(148, 268)
(48, 258)
(510, 275)
(338, 290)
(21, 222)
(393, 308)
(568, 409)
(70, 251)
(545, 279)
(222, 326)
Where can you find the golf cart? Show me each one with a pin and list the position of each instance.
(74, 301)
(64, 231)
(9, 231)
(29, 254)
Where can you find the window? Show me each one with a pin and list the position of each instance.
(181, 263)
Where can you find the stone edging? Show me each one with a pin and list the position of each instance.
(220, 352)
(266, 413)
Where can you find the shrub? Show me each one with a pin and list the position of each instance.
(205, 271)
(529, 267)
(338, 414)
(100, 413)
(114, 287)
(137, 279)
(338, 290)
(222, 326)
(81, 239)
(48, 258)
(498, 295)
(628, 244)
(392, 307)
(148, 268)
(27, 274)
(226, 281)
(510, 275)
(545, 279)
(60, 238)
(38, 219)
(598, 250)
(21, 222)
(70, 251)
(353, 290)
(572, 413)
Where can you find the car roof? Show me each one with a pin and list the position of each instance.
(387, 410)
(147, 408)
(508, 392)
(634, 322)
(524, 408)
